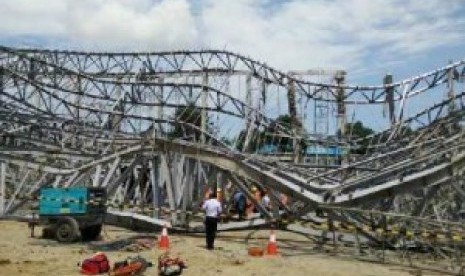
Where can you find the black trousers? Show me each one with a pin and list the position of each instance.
(210, 229)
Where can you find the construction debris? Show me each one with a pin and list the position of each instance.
(133, 244)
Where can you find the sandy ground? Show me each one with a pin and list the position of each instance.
(22, 255)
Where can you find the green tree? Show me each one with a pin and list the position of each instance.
(282, 123)
(358, 131)
(227, 141)
(191, 116)
(270, 136)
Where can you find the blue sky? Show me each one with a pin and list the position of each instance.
(367, 38)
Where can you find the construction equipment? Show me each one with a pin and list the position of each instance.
(70, 214)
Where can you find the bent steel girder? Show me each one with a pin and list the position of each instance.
(74, 94)
(55, 150)
(63, 157)
(143, 65)
(73, 86)
(293, 168)
(373, 162)
(390, 159)
(219, 159)
(100, 139)
(440, 107)
(421, 120)
(437, 126)
(433, 176)
(275, 180)
(35, 130)
(50, 134)
(414, 158)
(238, 164)
(409, 180)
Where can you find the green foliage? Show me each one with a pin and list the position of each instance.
(285, 121)
(358, 130)
(269, 136)
(190, 115)
(406, 131)
(227, 141)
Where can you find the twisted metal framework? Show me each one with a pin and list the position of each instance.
(113, 120)
(143, 65)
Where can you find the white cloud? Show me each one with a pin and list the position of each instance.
(25, 17)
(107, 24)
(123, 24)
(298, 34)
(341, 33)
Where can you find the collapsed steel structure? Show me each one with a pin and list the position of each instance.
(139, 124)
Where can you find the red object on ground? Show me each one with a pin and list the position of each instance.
(164, 242)
(272, 247)
(130, 269)
(95, 265)
(170, 266)
(255, 251)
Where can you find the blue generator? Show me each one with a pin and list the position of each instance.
(71, 214)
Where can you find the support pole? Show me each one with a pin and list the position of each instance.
(111, 172)
(17, 190)
(115, 121)
(390, 98)
(178, 178)
(169, 186)
(2, 81)
(450, 86)
(78, 98)
(159, 109)
(203, 114)
(200, 183)
(341, 109)
(2, 187)
(249, 126)
(296, 125)
(187, 192)
(154, 179)
(57, 181)
(98, 172)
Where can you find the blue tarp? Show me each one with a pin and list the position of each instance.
(318, 150)
(268, 149)
(311, 150)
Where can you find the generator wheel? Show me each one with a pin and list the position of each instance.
(91, 233)
(67, 230)
(48, 232)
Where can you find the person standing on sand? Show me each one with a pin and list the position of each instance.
(266, 200)
(212, 208)
(240, 202)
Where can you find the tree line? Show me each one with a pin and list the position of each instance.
(268, 136)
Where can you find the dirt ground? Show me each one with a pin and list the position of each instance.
(22, 255)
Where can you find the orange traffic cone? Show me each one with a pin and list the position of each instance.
(272, 247)
(163, 241)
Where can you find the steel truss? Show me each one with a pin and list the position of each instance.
(104, 120)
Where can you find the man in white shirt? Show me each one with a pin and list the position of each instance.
(212, 208)
(266, 202)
